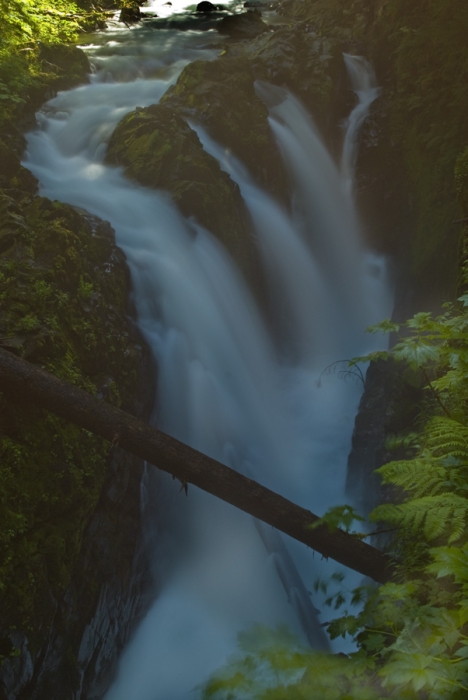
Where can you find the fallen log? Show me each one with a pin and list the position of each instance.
(23, 381)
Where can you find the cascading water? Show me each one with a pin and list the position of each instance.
(226, 384)
(366, 89)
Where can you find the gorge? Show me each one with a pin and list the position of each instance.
(250, 275)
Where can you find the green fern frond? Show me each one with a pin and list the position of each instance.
(423, 476)
(432, 515)
(447, 437)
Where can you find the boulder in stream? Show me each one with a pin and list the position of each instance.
(157, 148)
(206, 6)
(220, 95)
(243, 26)
(130, 14)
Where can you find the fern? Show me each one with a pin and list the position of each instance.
(424, 476)
(436, 481)
(434, 516)
(445, 437)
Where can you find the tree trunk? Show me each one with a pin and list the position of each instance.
(23, 381)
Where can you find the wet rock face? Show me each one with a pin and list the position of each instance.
(13, 176)
(107, 597)
(309, 65)
(67, 66)
(389, 404)
(220, 95)
(69, 535)
(158, 149)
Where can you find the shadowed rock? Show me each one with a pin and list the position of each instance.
(158, 149)
(244, 26)
(220, 96)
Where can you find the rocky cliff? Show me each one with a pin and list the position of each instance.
(72, 571)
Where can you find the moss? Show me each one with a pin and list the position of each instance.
(63, 290)
(220, 95)
(430, 66)
(158, 149)
(301, 60)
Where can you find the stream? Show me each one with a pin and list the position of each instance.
(253, 397)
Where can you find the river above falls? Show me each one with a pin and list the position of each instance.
(235, 385)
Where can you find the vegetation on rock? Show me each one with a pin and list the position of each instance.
(63, 304)
(34, 57)
(220, 95)
(158, 149)
(301, 60)
(63, 290)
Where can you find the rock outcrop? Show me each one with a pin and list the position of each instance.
(243, 26)
(72, 523)
(220, 95)
(158, 149)
(73, 574)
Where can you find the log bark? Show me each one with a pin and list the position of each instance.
(23, 381)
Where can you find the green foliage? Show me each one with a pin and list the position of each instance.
(38, 20)
(437, 347)
(28, 28)
(411, 644)
(437, 480)
(338, 517)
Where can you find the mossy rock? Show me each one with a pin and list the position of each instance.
(158, 149)
(13, 176)
(300, 60)
(63, 304)
(220, 95)
(66, 65)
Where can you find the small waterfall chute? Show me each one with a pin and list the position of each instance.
(365, 86)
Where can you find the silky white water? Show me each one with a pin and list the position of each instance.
(228, 384)
(364, 84)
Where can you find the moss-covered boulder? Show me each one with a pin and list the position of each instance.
(158, 149)
(67, 66)
(220, 95)
(64, 290)
(63, 284)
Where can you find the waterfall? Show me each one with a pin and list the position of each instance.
(227, 385)
(365, 86)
